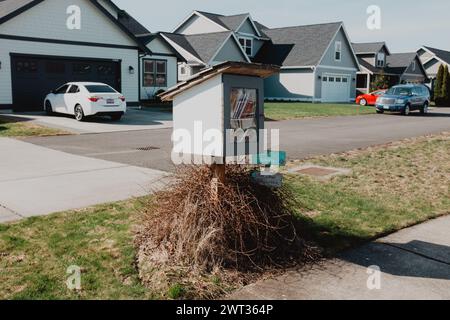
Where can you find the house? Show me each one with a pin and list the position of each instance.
(205, 39)
(317, 63)
(200, 51)
(376, 60)
(309, 56)
(158, 66)
(45, 43)
(432, 59)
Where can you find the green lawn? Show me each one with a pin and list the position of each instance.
(13, 128)
(390, 188)
(35, 254)
(294, 110)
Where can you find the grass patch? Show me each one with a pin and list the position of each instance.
(35, 254)
(13, 128)
(294, 110)
(391, 187)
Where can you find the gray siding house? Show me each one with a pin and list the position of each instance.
(317, 63)
(158, 67)
(38, 52)
(432, 59)
(376, 60)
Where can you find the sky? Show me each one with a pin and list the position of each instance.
(405, 24)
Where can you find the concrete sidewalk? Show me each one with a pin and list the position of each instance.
(38, 181)
(414, 264)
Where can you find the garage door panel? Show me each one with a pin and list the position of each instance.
(34, 77)
(335, 88)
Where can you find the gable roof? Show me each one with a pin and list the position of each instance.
(369, 47)
(400, 62)
(298, 46)
(132, 24)
(229, 22)
(12, 8)
(372, 69)
(228, 67)
(441, 54)
(202, 46)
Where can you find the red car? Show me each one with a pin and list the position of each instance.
(369, 99)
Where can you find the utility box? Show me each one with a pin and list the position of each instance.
(218, 114)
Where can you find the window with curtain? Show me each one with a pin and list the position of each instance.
(155, 73)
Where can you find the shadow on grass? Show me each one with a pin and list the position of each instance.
(330, 239)
(7, 119)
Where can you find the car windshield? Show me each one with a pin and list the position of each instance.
(100, 89)
(398, 91)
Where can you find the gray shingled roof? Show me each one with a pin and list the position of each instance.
(368, 47)
(441, 54)
(396, 63)
(297, 46)
(132, 24)
(9, 6)
(386, 70)
(231, 22)
(400, 60)
(202, 46)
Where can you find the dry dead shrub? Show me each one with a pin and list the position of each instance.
(248, 228)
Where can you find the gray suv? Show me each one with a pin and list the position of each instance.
(404, 99)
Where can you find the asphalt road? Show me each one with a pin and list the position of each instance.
(300, 138)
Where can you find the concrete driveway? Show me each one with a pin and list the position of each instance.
(414, 264)
(135, 119)
(38, 181)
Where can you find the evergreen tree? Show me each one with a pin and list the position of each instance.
(438, 84)
(445, 95)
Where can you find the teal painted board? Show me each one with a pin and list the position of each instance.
(270, 158)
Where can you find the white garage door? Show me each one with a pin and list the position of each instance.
(335, 88)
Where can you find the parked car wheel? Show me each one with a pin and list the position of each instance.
(48, 108)
(407, 110)
(116, 117)
(79, 113)
(424, 109)
(363, 102)
(380, 111)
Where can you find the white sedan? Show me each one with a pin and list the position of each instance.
(83, 99)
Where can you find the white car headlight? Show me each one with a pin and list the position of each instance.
(400, 101)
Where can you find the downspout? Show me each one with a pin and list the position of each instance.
(315, 84)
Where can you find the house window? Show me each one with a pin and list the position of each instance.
(380, 59)
(26, 66)
(155, 73)
(247, 45)
(183, 70)
(338, 51)
(414, 66)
